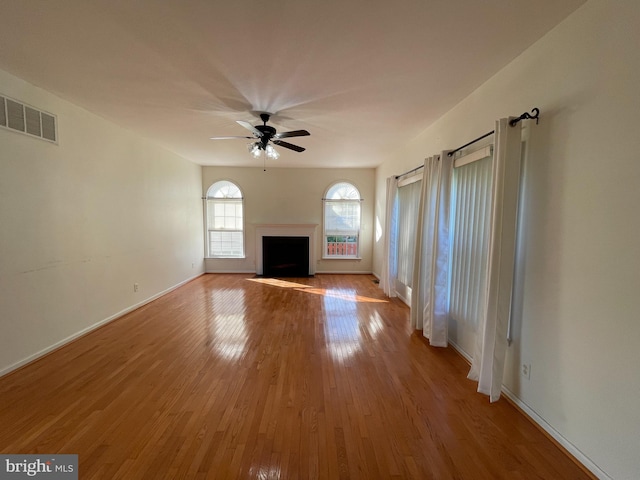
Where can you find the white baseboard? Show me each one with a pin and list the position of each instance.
(84, 331)
(342, 272)
(231, 271)
(542, 423)
(566, 444)
(464, 354)
(328, 272)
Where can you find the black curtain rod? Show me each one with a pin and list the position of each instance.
(535, 113)
(453, 152)
(410, 171)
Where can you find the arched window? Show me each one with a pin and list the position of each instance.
(225, 222)
(341, 232)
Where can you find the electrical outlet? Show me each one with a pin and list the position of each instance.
(193, 265)
(526, 371)
(135, 287)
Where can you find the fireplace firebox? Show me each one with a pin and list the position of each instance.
(285, 256)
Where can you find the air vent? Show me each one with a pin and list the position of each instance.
(48, 126)
(3, 112)
(19, 117)
(15, 115)
(32, 117)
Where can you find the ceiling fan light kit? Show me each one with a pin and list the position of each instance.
(266, 136)
(256, 149)
(271, 152)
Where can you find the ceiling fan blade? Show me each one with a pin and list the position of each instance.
(257, 133)
(229, 138)
(294, 133)
(290, 146)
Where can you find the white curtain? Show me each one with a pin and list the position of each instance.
(487, 367)
(408, 205)
(429, 301)
(389, 259)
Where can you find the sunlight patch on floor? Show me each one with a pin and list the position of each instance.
(335, 293)
(342, 295)
(278, 283)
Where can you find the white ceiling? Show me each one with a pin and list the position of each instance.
(363, 76)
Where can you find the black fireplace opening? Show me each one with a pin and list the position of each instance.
(285, 256)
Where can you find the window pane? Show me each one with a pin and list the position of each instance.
(342, 216)
(229, 223)
(343, 191)
(224, 189)
(229, 210)
(226, 244)
(341, 245)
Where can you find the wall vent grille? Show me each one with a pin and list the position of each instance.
(16, 116)
(3, 112)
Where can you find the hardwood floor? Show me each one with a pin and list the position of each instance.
(237, 377)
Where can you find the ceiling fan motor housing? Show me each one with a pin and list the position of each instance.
(267, 133)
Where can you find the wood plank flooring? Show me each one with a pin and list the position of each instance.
(234, 377)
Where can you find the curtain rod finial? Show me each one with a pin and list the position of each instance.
(535, 114)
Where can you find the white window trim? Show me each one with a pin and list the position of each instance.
(326, 233)
(207, 230)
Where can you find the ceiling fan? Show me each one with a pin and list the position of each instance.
(265, 135)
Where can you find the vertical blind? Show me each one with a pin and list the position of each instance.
(469, 244)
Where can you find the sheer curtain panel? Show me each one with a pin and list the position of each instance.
(408, 206)
(429, 302)
(487, 367)
(390, 249)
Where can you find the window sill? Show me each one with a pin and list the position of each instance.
(225, 258)
(341, 258)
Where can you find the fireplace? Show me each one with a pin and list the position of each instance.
(285, 256)
(280, 247)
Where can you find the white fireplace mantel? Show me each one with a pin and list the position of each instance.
(286, 230)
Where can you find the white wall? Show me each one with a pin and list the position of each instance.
(578, 304)
(290, 196)
(84, 220)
